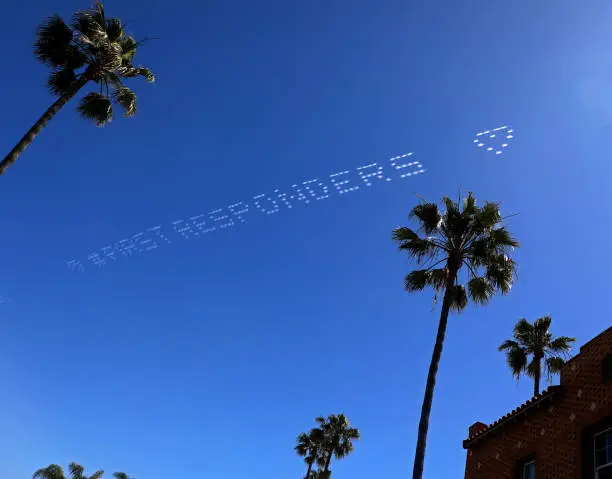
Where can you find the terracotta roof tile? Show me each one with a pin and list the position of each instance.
(547, 393)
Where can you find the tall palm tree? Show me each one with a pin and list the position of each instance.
(53, 471)
(535, 340)
(469, 243)
(95, 49)
(338, 440)
(309, 446)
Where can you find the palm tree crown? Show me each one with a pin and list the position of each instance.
(53, 471)
(93, 48)
(338, 439)
(535, 340)
(309, 446)
(472, 239)
(463, 253)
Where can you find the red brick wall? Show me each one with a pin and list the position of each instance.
(554, 431)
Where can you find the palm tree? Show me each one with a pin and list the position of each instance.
(93, 48)
(337, 442)
(536, 340)
(53, 471)
(309, 446)
(472, 243)
(121, 475)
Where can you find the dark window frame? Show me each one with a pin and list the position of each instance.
(522, 462)
(588, 445)
(606, 369)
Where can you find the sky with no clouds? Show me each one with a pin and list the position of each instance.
(206, 354)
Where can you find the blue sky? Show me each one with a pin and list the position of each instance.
(206, 358)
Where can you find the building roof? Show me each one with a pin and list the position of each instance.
(548, 395)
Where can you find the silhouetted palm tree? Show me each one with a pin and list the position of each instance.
(309, 446)
(535, 340)
(53, 471)
(93, 48)
(338, 440)
(471, 242)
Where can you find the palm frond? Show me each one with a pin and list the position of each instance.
(523, 332)
(114, 29)
(97, 475)
(418, 280)
(109, 56)
(131, 72)
(469, 204)
(128, 48)
(53, 42)
(301, 448)
(553, 365)
(127, 99)
(501, 239)
(458, 298)
(147, 74)
(561, 344)
(542, 325)
(420, 249)
(500, 271)
(97, 108)
(402, 234)
(76, 470)
(454, 221)
(428, 215)
(487, 217)
(87, 24)
(60, 81)
(517, 360)
(52, 471)
(452, 208)
(508, 344)
(121, 475)
(481, 290)
(98, 14)
(533, 369)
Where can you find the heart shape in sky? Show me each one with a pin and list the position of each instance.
(495, 140)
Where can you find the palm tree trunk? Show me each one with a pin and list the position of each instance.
(536, 378)
(328, 461)
(419, 456)
(41, 123)
(308, 472)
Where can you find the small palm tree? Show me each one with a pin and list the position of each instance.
(470, 242)
(53, 471)
(95, 49)
(121, 475)
(309, 446)
(338, 440)
(78, 472)
(535, 340)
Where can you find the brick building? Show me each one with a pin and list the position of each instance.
(563, 433)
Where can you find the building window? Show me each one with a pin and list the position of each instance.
(606, 369)
(526, 467)
(528, 470)
(602, 445)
